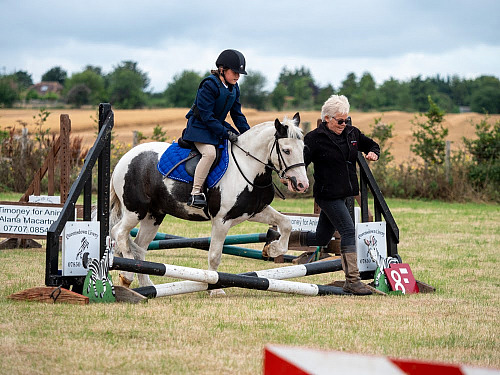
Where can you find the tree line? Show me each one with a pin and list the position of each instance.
(126, 87)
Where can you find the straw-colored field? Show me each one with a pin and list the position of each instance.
(172, 121)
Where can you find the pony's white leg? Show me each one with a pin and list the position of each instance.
(219, 233)
(270, 216)
(121, 234)
(146, 234)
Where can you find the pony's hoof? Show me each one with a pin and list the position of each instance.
(265, 251)
(124, 281)
(217, 293)
(275, 250)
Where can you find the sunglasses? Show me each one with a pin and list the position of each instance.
(347, 121)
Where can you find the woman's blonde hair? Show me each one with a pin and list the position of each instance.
(335, 104)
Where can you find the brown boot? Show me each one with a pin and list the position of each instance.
(297, 238)
(350, 266)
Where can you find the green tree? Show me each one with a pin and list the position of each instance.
(349, 86)
(78, 95)
(8, 91)
(126, 86)
(300, 85)
(252, 90)
(486, 95)
(365, 98)
(485, 167)
(278, 96)
(93, 81)
(389, 93)
(323, 94)
(56, 74)
(23, 79)
(382, 134)
(429, 136)
(419, 92)
(459, 91)
(302, 92)
(182, 91)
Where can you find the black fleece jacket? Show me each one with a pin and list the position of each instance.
(334, 173)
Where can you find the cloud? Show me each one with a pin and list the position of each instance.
(386, 37)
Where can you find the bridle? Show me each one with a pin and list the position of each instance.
(283, 168)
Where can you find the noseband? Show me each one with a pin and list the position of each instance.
(283, 168)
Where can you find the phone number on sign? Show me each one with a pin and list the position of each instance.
(24, 229)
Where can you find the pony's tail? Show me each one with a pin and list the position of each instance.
(115, 207)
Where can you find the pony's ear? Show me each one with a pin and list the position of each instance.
(296, 118)
(281, 130)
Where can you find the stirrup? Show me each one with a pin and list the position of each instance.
(197, 201)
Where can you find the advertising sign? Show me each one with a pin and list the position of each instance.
(80, 239)
(370, 236)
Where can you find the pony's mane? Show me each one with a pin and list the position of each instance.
(293, 130)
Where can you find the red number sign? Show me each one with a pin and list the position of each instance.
(400, 278)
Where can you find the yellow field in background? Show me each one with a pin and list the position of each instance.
(172, 121)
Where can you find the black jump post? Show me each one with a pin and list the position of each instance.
(100, 153)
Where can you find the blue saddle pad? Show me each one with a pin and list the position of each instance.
(174, 154)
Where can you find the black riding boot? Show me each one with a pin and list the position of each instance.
(197, 201)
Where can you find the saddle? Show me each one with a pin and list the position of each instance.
(195, 156)
(179, 162)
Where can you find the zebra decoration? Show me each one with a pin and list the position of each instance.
(379, 280)
(83, 247)
(99, 270)
(373, 252)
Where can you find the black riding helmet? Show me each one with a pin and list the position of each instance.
(232, 59)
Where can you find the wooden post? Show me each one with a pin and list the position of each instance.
(447, 161)
(135, 138)
(64, 156)
(50, 172)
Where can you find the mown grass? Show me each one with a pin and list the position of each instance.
(453, 247)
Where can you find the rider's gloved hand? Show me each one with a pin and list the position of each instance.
(233, 137)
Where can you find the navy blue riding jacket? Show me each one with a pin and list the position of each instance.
(335, 170)
(207, 118)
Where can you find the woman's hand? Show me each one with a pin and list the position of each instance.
(371, 156)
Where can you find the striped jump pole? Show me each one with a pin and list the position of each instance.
(281, 273)
(223, 280)
(167, 241)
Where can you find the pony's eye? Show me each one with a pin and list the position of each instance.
(287, 152)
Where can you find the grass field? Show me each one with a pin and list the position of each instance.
(453, 247)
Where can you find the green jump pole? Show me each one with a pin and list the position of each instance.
(203, 243)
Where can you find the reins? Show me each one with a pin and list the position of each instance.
(281, 172)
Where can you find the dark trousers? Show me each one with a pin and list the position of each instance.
(334, 216)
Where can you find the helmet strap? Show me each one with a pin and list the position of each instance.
(222, 73)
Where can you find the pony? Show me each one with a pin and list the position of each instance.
(139, 193)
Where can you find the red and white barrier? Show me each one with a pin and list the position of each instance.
(286, 360)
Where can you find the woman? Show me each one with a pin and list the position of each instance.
(217, 95)
(333, 149)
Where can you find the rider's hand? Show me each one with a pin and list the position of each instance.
(371, 156)
(233, 137)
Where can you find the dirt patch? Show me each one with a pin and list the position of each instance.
(172, 121)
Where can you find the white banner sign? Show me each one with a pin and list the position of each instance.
(370, 235)
(304, 223)
(80, 239)
(27, 219)
(54, 199)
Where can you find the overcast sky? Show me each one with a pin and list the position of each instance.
(388, 38)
